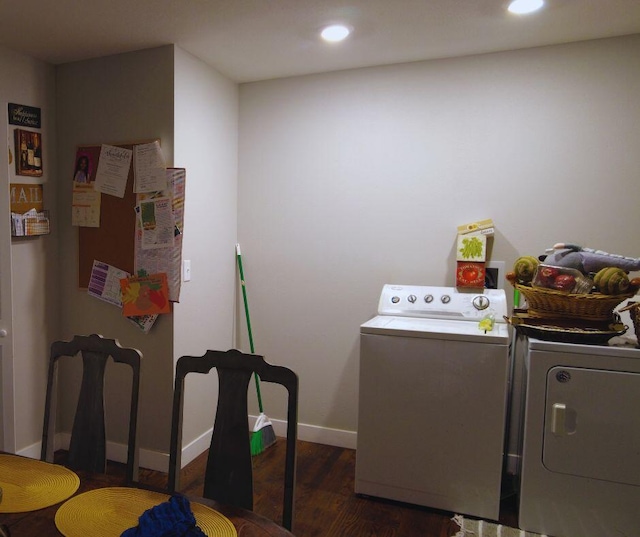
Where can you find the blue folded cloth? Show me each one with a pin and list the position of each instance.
(172, 518)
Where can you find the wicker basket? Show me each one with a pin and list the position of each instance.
(550, 303)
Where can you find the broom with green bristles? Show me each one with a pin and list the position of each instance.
(263, 434)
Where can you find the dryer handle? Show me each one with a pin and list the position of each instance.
(563, 419)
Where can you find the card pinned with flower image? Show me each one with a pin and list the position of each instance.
(145, 295)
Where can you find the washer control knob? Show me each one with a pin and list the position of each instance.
(428, 299)
(412, 299)
(480, 302)
(395, 299)
(445, 299)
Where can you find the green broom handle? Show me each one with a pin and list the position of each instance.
(246, 311)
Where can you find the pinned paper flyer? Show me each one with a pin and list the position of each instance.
(105, 282)
(144, 322)
(113, 170)
(149, 168)
(145, 295)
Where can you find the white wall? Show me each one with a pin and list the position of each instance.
(354, 179)
(118, 99)
(33, 264)
(206, 144)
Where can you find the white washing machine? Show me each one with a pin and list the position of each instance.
(580, 467)
(432, 400)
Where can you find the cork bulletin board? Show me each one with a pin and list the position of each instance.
(112, 242)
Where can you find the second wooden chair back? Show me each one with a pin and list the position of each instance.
(228, 476)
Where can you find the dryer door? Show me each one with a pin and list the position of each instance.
(592, 424)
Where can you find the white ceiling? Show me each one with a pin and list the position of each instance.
(250, 40)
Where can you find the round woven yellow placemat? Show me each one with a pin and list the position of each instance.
(107, 512)
(29, 484)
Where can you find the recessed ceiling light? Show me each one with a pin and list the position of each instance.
(522, 7)
(335, 33)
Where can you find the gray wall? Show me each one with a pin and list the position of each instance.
(159, 93)
(354, 179)
(118, 99)
(169, 94)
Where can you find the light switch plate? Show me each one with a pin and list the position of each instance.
(186, 270)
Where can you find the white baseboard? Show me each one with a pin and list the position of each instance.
(316, 434)
(154, 460)
(195, 448)
(32, 451)
(308, 433)
(159, 461)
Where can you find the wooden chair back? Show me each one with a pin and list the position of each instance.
(87, 447)
(228, 475)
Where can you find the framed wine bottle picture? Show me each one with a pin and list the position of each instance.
(28, 153)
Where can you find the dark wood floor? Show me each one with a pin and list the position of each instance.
(326, 504)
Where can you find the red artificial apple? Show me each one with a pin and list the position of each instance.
(564, 282)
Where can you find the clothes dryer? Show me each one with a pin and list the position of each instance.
(580, 473)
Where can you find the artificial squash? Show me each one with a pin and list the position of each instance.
(525, 268)
(611, 281)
